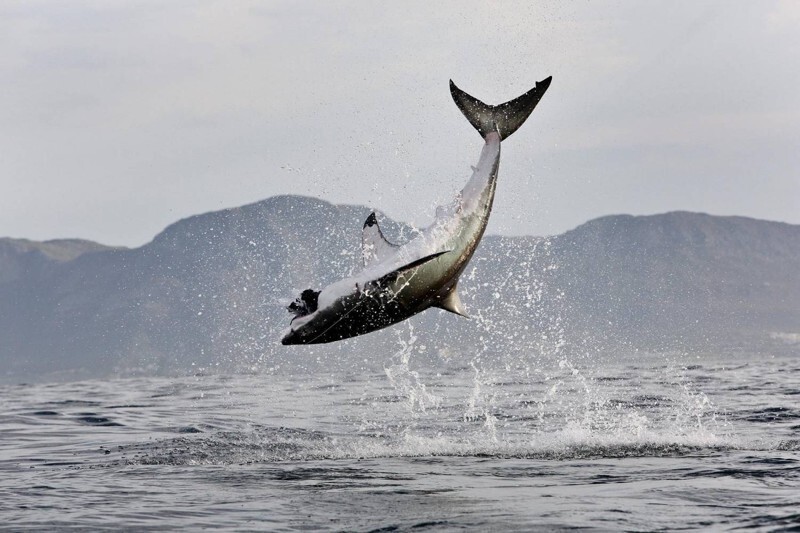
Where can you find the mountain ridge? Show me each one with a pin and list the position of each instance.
(589, 222)
(206, 289)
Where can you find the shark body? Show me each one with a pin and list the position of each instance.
(398, 282)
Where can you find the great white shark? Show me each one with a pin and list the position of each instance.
(400, 281)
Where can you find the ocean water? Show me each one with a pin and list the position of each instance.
(646, 442)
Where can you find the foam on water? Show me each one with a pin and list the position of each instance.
(564, 415)
(565, 443)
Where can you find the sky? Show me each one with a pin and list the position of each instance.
(119, 118)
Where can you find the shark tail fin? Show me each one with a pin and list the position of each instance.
(503, 118)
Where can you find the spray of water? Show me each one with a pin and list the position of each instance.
(535, 385)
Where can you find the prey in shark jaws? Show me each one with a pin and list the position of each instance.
(400, 281)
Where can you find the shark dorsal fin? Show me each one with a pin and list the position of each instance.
(374, 246)
(452, 303)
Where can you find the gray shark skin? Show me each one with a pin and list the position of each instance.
(398, 282)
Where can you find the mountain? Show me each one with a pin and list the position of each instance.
(210, 290)
(684, 275)
(21, 257)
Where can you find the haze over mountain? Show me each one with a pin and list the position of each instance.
(209, 292)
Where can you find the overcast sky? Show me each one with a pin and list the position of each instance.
(119, 117)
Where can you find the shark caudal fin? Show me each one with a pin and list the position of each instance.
(504, 118)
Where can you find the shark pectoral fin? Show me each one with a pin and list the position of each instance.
(393, 275)
(421, 261)
(452, 303)
(374, 246)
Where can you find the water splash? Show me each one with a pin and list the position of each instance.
(536, 389)
(407, 382)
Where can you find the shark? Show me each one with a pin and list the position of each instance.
(399, 281)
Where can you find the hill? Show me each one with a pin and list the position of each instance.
(207, 292)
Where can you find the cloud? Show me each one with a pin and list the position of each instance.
(117, 118)
(784, 16)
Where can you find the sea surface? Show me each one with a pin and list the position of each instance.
(646, 442)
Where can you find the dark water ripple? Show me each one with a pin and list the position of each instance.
(627, 447)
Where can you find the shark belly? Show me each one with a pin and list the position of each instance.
(428, 284)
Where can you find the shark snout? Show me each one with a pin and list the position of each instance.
(292, 337)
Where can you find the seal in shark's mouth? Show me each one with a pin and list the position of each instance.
(305, 304)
